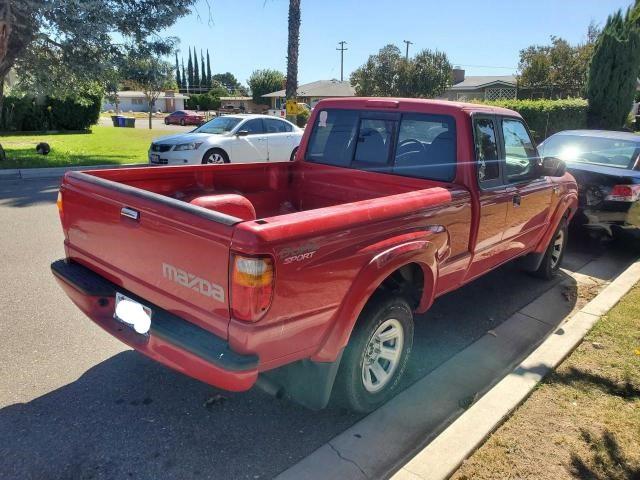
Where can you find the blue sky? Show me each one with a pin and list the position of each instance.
(479, 35)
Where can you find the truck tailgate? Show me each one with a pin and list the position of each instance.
(173, 254)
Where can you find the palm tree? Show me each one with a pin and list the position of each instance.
(292, 52)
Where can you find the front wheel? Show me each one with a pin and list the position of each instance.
(375, 359)
(216, 156)
(552, 259)
(293, 154)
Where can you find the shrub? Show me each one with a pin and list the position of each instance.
(302, 118)
(29, 114)
(546, 117)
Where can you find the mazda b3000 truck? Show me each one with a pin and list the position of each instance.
(304, 277)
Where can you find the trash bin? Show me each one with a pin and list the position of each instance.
(130, 122)
(114, 119)
(121, 121)
(637, 123)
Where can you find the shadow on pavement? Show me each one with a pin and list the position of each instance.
(25, 193)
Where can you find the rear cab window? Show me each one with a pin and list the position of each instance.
(407, 144)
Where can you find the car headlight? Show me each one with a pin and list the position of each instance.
(187, 146)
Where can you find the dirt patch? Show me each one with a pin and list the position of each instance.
(583, 421)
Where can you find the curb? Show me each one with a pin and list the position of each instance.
(56, 172)
(442, 457)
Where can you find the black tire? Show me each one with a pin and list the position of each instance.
(293, 154)
(552, 259)
(349, 390)
(182, 122)
(166, 122)
(211, 151)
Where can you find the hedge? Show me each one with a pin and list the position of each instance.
(546, 117)
(202, 101)
(29, 114)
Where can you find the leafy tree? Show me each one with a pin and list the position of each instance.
(151, 75)
(614, 70)
(56, 46)
(559, 69)
(266, 81)
(185, 85)
(190, 72)
(208, 70)
(388, 73)
(196, 69)
(178, 78)
(203, 80)
(227, 80)
(293, 43)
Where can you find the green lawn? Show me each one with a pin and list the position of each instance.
(103, 145)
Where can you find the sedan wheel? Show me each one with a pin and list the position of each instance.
(215, 157)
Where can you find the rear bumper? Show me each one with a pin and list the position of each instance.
(172, 341)
(612, 220)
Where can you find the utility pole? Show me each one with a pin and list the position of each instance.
(406, 55)
(342, 49)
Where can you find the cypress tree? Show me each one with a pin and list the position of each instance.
(202, 71)
(208, 70)
(178, 77)
(184, 77)
(196, 72)
(613, 71)
(190, 71)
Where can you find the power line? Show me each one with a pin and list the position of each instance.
(342, 49)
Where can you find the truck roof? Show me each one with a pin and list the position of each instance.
(415, 104)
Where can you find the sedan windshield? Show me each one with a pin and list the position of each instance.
(611, 152)
(218, 125)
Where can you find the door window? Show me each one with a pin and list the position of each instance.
(520, 155)
(276, 126)
(253, 126)
(486, 146)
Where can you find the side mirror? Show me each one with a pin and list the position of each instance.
(242, 133)
(553, 167)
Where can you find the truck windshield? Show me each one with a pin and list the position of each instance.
(218, 125)
(409, 144)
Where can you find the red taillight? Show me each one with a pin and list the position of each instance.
(624, 193)
(251, 287)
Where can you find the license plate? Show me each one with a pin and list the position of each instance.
(154, 158)
(133, 314)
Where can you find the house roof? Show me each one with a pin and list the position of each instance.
(477, 82)
(139, 94)
(320, 88)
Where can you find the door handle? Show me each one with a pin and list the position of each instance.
(517, 199)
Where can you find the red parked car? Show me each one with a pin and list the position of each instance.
(184, 117)
(304, 277)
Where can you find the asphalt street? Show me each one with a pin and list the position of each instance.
(76, 403)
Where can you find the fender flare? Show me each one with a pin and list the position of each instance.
(426, 253)
(569, 203)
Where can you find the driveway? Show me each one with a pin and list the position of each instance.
(76, 403)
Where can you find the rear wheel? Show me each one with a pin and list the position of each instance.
(375, 359)
(555, 253)
(182, 122)
(215, 155)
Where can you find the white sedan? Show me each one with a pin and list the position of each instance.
(231, 138)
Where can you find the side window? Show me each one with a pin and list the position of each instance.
(520, 154)
(276, 126)
(374, 141)
(332, 137)
(426, 147)
(253, 126)
(487, 152)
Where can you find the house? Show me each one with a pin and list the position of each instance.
(245, 104)
(490, 87)
(312, 93)
(135, 101)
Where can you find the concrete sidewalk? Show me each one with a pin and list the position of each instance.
(56, 172)
(456, 406)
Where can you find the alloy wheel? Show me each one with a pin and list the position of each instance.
(382, 355)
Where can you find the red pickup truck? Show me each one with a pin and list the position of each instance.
(304, 276)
